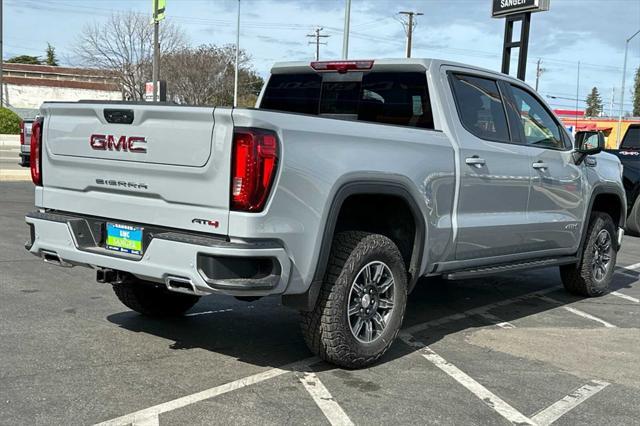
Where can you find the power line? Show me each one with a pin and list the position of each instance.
(316, 34)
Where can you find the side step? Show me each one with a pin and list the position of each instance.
(518, 266)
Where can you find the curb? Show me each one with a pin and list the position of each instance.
(15, 175)
(9, 141)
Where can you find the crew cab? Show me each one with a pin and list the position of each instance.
(348, 182)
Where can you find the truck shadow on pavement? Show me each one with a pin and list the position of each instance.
(265, 333)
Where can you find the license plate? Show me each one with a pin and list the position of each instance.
(124, 238)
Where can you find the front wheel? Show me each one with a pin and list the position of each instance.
(361, 303)
(592, 275)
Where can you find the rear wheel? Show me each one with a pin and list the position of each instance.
(592, 275)
(633, 221)
(151, 300)
(362, 301)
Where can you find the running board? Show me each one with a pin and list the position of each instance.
(518, 266)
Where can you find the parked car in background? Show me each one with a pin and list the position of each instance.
(629, 155)
(348, 182)
(25, 141)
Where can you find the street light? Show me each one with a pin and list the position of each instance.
(624, 76)
(235, 79)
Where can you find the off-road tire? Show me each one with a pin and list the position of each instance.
(326, 328)
(633, 221)
(151, 300)
(578, 278)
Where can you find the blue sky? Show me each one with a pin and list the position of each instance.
(590, 31)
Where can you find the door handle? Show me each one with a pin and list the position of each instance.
(475, 161)
(540, 165)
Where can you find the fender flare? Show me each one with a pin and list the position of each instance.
(372, 186)
(599, 190)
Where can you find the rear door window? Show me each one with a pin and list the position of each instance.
(480, 107)
(397, 98)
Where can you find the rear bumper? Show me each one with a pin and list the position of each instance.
(209, 265)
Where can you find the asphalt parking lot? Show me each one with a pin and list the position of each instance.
(514, 348)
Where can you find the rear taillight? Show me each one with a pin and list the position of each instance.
(36, 151)
(253, 168)
(21, 132)
(341, 66)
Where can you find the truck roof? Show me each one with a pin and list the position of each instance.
(389, 64)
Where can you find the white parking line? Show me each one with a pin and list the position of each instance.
(490, 399)
(152, 420)
(496, 321)
(323, 399)
(476, 311)
(624, 296)
(578, 312)
(634, 266)
(568, 403)
(154, 411)
(195, 314)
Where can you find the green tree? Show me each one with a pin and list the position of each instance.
(9, 122)
(594, 103)
(636, 95)
(24, 59)
(51, 59)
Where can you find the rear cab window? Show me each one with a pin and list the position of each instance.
(395, 98)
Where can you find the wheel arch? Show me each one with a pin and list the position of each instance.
(384, 186)
(600, 195)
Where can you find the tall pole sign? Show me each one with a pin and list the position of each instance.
(517, 11)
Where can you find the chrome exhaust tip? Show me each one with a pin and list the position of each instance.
(180, 285)
(53, 258)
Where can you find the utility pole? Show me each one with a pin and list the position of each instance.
(409, 28)
(235, 81)
(624, 76)
(345, 36)
(539, 72)
(613, 97)
(156, 50)
(1, 59)
(316, 34)
(577, 95)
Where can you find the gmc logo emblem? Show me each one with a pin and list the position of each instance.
(124, 143)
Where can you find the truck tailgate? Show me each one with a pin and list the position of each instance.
(169, 167)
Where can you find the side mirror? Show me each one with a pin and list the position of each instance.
(589, 142)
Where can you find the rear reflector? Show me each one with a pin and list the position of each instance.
(341, 66)
(36, 151)
(253, 168)
(21, 132)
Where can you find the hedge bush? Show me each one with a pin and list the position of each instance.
(9, 122)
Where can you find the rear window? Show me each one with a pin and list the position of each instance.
(391, 98)
(293, 93)
(631, 138)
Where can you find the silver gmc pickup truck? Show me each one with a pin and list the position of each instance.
(348, 182)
